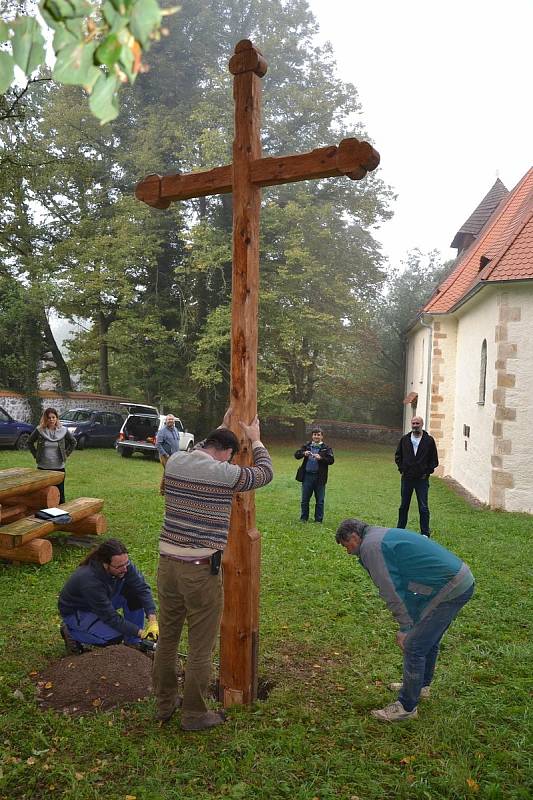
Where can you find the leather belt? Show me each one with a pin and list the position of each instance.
(206, 560)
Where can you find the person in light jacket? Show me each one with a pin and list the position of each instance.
(51, 444)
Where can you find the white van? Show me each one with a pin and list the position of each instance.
(138, 433)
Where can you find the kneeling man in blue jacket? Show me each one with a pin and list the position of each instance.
(105, 582)
(425, 586)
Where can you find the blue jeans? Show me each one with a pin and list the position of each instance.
(86, 627)
(309, 487)
(421, 487)
(421, 648)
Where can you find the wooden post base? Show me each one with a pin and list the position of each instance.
(48, 497)
(38, 551)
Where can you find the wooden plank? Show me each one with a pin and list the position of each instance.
(239, 628)
(11, 513)
(38, 551)
(351, 158)
(159, 191)
(15, 471)
(24, 530)
(13, 485)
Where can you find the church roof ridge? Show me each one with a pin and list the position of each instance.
(478, 218)
(484, 260)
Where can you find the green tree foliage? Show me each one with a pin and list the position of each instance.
(21, 344)
(407, 290)
(97, 45)
(153, 289)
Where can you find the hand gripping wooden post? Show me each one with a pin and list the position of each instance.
(245, 177)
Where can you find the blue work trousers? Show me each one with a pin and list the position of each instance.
(421, 648)
(311, 486)
(86, 627)
(421, 487)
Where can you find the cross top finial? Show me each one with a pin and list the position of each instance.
(247, 58)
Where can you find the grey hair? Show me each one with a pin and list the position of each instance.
(348, 527)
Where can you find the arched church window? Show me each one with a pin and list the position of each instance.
(483, 373)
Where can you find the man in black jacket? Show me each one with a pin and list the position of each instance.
(416, 458)
(313, 473)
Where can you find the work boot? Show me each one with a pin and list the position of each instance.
(71, 645)
(165, 716)
(208, 720)
(425, 691)
(394, 713)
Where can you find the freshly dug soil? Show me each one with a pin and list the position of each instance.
(106, 677)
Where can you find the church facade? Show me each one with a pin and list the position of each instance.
(469, 365)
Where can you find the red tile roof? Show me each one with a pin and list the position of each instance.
(503, 251)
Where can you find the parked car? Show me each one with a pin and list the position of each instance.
(13, 433)
(140, 429)
(92, 428)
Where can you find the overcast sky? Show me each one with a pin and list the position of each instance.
(447, 97)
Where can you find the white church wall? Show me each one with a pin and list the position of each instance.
(443, 382)
(472, 430)
(416, 374)
(516, 375)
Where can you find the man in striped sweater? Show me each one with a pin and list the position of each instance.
(199, 488)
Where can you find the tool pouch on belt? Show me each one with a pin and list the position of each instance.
(216, 560)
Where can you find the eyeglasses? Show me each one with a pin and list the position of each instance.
(120, 567)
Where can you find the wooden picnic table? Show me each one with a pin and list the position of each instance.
(25, 480)
(22, 492)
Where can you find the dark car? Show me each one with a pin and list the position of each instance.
(14, 433)
(92, 428)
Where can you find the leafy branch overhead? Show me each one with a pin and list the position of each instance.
(98, 46)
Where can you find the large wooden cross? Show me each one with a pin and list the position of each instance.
(244, 178)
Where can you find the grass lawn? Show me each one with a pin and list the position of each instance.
(327, 643)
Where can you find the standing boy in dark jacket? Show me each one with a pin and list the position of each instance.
(416, 458)
(313, 473)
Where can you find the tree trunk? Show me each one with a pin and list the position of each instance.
(62, 368)
(103, 355)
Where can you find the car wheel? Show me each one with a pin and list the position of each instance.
(190, 447)
(82, 443)
(125, 453)
(22, 441)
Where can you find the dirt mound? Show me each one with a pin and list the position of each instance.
(104, 678)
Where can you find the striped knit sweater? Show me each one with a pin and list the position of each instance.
(198, 494)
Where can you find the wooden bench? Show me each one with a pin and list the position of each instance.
(22, 540)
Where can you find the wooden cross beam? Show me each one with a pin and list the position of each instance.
(244, 178)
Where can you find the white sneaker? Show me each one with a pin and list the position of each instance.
(394, 713)
(425, 691)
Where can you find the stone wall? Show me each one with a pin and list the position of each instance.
(279, 428)
(18, 406)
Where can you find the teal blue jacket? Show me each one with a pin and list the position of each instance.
(413, 573)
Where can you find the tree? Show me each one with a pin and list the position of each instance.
(97, 45)
(407, 290)
(170, 273)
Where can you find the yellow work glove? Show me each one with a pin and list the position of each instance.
(151, 631)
